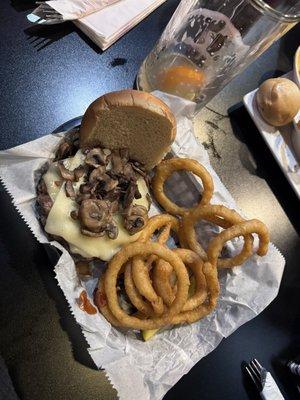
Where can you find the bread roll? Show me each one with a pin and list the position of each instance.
(278, 101)
(130, 119)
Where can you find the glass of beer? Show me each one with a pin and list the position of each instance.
(209, 42)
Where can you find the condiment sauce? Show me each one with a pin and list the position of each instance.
(85, 304)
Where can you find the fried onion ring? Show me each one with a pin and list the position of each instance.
(158, 222)
(142, 281)
(140, 268)
(221, 216)
(213, 289)
(162, 274)
(242, 229)
(145, 249)
(194, 262)
(162, 239)
(135, 297)
(165, 169)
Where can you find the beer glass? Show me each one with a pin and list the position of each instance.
(209, 42)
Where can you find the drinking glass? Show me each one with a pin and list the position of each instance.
(209, 42)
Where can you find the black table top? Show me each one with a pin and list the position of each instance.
(48, 76)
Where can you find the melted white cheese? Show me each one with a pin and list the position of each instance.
(51, 177)
(60, 223)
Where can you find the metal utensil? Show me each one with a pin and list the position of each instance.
(263, 380)
(48, 13)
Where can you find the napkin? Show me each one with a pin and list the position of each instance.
(70, 9)
(103, 21)
(138, 370)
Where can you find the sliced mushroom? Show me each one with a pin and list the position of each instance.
(80, 197)
(113, 174)
(114, 206)
(113, 195)
(97, 174)
(70, 192)
(110, 184)
(65, 173)
(94, 215)
(45, 203)
(124, 183)
(85, 188)
(112, 230)
(96, 157)
(64, 150)
(97, 190)
(74, 214)
(136, 220)
(139, 169)
(128, 171)
(79, 172)
(129, 195)
(103, 188)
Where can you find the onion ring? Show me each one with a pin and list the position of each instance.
(194, 262)
(135, 297)
(157, 222)
(161, 281)
(162, 239)
(162, 274)
(142, 281)
(140, 269)
(145, 249)
(222, 216)
(165, 169)
(213, 289)
(242, 229)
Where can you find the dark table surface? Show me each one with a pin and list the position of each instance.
(48, 76)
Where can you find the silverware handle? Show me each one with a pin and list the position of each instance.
(271, 390)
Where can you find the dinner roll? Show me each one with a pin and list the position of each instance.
(278, 101)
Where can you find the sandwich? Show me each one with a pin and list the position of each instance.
(94, 197)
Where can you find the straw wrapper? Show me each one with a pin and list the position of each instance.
(136, 369)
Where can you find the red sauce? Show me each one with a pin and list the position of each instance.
(99, 298)
(85, 304)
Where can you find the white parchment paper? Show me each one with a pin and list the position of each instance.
(138, 370)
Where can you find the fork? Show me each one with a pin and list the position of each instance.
(263, 380)
(48, 14)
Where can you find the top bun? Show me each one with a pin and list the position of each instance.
(130, 119)
(278, 101)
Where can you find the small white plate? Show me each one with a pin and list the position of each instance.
(279, 141)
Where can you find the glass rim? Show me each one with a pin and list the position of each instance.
(275, 13)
